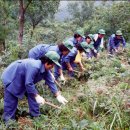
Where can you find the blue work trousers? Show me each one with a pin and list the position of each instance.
(11, 103)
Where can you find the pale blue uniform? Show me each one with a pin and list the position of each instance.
(20, 78)
(74, 41)
(40, 50)
(114, 43)
(70, 58)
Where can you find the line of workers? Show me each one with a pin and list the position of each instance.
(20, 77)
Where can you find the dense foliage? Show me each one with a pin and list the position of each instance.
(97, 102)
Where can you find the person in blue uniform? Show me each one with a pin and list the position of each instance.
(70, 61)
(78, 37)
(62, 49)
(98, 42)
(21, 76)
(89, 39)
(114, 42)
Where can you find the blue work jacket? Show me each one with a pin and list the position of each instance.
(41, 49)
(114, 42)
(20, 77)
(74, 41)
(71, 56)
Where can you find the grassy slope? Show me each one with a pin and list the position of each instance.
(101, 103)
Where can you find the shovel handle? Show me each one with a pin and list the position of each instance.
(76, 71)
(51, 104)
(58, 85)
(56, 81)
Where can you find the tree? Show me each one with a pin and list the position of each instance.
(81, 11)
(4, 18)
(35, 12)
(22, 11)
(110, 18)
(41, 10)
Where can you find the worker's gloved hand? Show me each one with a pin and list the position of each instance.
(123, 49)
(62, 78)
(40, 100)
(95, 50)
(116, 50)
(61, 99)
(98, 55)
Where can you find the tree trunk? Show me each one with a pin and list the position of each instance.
(32, 31)
(2, 45)
(22, 10)
(21, 21)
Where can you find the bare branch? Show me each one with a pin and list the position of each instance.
(29, 2)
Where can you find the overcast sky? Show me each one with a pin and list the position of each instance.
(63, 12)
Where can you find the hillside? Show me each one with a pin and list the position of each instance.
(98, 101)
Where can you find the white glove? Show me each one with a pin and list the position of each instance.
(61, 99)
(39, 99)
(116, 50)
(98, 54)
(95, 50)
(62, 78)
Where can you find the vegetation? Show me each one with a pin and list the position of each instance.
(98, 99)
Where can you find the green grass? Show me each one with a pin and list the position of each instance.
(98, 104)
